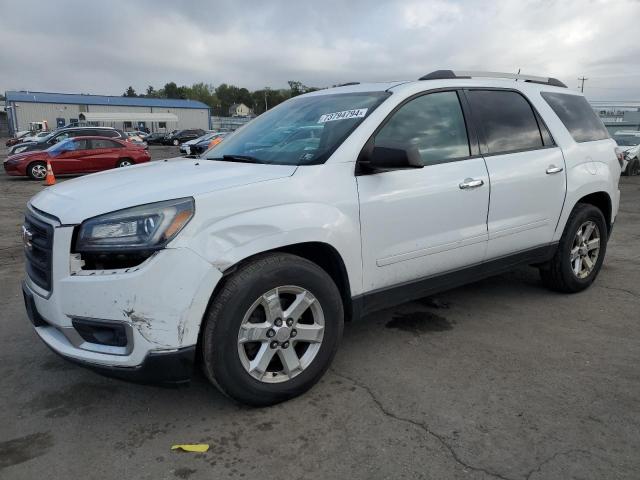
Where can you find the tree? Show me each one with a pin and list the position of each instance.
(130, 92)
(151, 92)
(171, 90)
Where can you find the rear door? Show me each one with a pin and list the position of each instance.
(104, 154)
(526, 170)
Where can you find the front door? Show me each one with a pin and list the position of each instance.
(421, 222)
(71, 159)
(526, 169)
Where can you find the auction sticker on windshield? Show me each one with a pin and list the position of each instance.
(344, 115)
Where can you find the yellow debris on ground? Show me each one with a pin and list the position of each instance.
(191, 447)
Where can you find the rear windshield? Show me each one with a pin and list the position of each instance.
(577, 115)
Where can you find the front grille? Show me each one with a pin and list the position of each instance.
(38, 248)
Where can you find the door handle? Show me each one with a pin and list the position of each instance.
(553, 169)
(471, 183)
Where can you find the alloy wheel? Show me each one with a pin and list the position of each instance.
(585, 250)
(281, 334)
(39, 171)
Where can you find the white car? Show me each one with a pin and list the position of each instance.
(186, 146)
(255, 254)
(35, 137)
(629, 144)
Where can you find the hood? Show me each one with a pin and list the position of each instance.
(31, 153)
(31, 145)
(76, 200)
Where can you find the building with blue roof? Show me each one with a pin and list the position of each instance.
(127, 113)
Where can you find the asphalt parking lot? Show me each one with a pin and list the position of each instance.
(498, 379)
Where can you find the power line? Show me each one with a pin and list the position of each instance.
(582, 79)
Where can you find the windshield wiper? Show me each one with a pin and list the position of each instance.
(239, 159)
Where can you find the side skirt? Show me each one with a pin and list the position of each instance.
(405, 292)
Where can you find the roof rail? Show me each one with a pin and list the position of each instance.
(449, 74)
(348, 84)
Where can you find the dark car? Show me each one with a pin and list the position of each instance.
(156, 138)
(76, 155)
(209, 142)
(183, 136)
(63, 134)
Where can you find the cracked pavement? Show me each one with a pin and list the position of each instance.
(499, 379)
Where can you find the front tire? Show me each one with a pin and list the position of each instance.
(580, 253)
(272, 330)
(37, 170)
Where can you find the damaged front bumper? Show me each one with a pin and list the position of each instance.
(155, 310)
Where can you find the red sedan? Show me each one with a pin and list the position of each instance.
(76, 155)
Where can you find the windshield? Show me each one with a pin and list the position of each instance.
(627, 140)
(301, 131)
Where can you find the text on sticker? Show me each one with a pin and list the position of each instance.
(344, 115)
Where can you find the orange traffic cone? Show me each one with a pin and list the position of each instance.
(50, 179)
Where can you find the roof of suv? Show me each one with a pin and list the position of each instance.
(448, 78)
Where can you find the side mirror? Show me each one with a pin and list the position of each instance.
(375, 158)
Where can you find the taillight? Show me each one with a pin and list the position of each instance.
(620, 156)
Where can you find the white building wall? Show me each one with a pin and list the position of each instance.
(187, 117)
(36, 112)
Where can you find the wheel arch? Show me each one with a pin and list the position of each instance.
(602, 201)
(322, 254)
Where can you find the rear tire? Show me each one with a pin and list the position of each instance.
(579, 257)
(37, 170)
(634, 167)
(124, 162)
(254, 310)
(176, 143)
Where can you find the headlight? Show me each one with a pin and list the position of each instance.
(19, 149)
(146, 227)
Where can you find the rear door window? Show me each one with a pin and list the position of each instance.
(507, 120)
(104, 143)
(577, 115)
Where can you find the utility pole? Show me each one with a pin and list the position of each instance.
(582, 80)
(266, 105)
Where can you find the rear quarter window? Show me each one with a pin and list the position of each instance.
(577, 116)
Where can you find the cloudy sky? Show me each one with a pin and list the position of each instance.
(102, 47)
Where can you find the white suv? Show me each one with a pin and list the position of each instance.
(331, 205)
